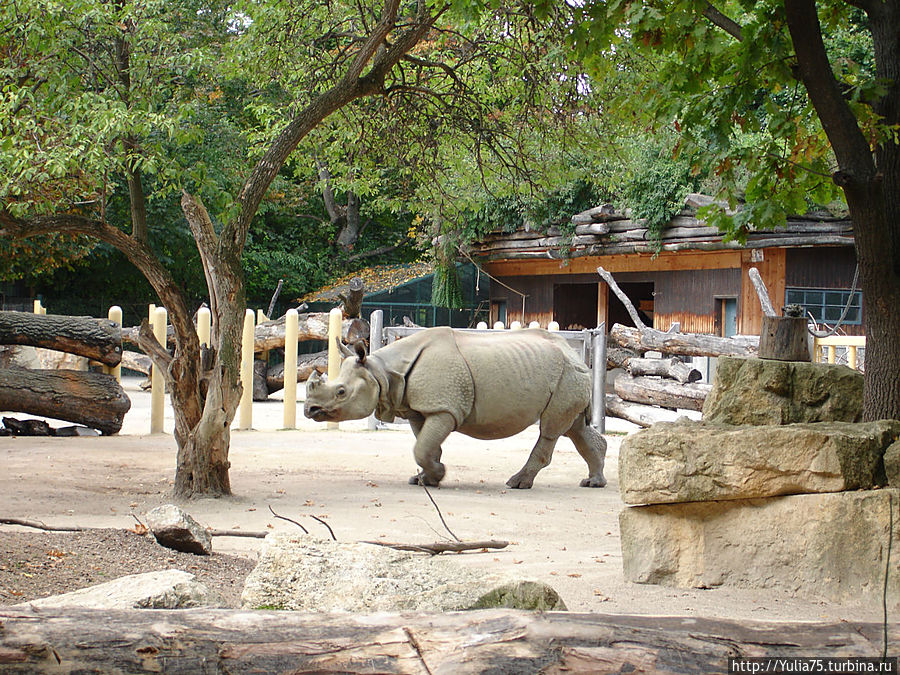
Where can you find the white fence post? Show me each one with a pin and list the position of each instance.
(247, 338)
(291, 328)
(376, 341)
(335, 319)
(157, 379)
(115, 315)
(598, 379)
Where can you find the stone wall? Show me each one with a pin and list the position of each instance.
(777, 487)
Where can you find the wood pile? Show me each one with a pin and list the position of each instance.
(95, 400)
(603, 230)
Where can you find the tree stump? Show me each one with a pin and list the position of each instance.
(784, 338)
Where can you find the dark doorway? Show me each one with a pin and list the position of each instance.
(641, 296)
(575, 306)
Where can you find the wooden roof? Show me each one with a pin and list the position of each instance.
(605, 231)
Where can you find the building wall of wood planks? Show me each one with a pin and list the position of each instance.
(687, 287)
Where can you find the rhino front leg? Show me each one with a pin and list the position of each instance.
(539, 458)
(430, 432)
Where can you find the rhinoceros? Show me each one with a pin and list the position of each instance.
(485, 385)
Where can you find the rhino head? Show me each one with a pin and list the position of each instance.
(352, 395)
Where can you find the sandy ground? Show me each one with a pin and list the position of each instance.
(356, 480)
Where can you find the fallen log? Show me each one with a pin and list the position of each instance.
(260, 390)
(139, 363)
(636, 413)
(95, 400)
(306, 365)
(96, 339)
(270, 334)
(671, 368)
(662, 392)
(687, 344)
(619, 357)
(495, 640)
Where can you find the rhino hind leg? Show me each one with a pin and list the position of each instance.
(592, 447)
(430, 432)
(540, 457)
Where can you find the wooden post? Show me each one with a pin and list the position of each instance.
(39, 308)
(515, 325)
(115, 315)
(553, 326)
(157, 379)
(335, 317)
(482, 325)
(246, 407)
(598, 378)
(376, 342)
(783, 338)
(291, 329)
(498, 325)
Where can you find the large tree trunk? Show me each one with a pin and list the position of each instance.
(496, 640)
(95, 400)
(97, 339)
(871, 184)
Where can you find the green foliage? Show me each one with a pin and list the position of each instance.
(735, 105)
(446, 289)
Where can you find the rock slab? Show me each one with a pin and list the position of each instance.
(832, 546)
(175, 528)
(165, 589)
(892, 464)
(761, 392)
(306, 574)
(688, 461)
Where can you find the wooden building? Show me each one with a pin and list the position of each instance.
(697, 279)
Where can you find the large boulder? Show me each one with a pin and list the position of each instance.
(301, 573)
(690, 461)
(165, 589)
(836, 554)
(760, 391)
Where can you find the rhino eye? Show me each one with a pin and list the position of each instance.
(341, 391)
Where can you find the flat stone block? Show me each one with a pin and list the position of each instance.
(689, 461)
(828, 546)
(759, 391)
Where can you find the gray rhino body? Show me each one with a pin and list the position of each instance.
(485, 385)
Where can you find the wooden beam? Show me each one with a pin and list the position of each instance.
(495, 640)
(632, 262)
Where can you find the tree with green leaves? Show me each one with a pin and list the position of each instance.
(110, 100)
(793, 103)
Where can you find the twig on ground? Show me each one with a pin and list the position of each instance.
(38, 525)
(440, 515)
(442, 547)
(237, 533)
(330, 531)
(305, 531)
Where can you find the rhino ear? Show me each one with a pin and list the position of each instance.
(344, 349)
(360, 348)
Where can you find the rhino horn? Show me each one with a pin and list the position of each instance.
(314, 380)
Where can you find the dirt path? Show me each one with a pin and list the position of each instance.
(356, 480)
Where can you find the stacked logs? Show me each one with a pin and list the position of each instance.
(95, 400)
(648, 387)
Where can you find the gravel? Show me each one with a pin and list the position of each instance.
(40, 564)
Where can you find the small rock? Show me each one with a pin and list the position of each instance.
(75, 431)
(176, 529)
(164, 589)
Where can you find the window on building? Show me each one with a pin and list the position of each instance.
(826, 304)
